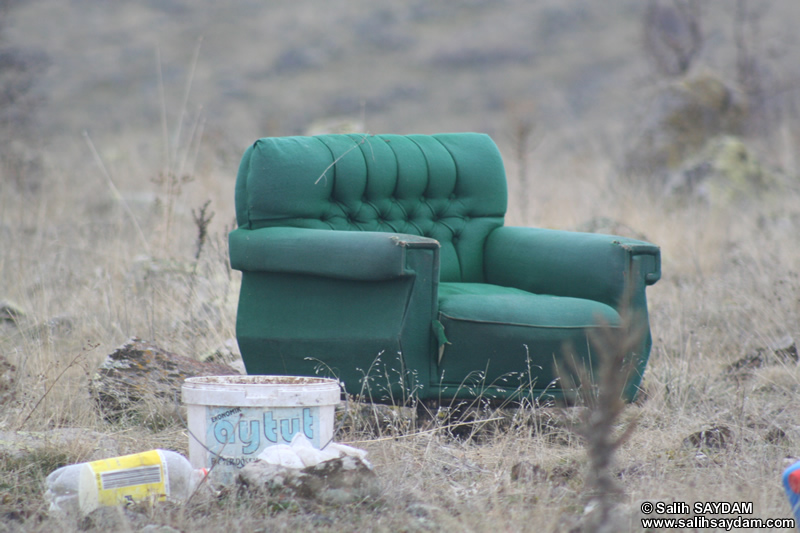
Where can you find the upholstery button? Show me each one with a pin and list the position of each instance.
(452, 196)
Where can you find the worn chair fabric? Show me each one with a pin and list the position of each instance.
(383, 260)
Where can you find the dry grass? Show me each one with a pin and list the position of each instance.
(88, 279)
(730, 286)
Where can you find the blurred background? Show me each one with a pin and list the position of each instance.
(138, 76)
(138, 112)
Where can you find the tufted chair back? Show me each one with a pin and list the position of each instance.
(449, 187)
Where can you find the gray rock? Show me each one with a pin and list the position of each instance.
(714, 438)
(682, 117)
(8, 380)
(781, 352)
(336, 482)
(138, 374)
(725, 171)
(10, 312)
(528, 472)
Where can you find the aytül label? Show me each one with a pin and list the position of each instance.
(241, 430)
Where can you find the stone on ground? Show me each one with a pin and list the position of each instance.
(139, 373)
(341, 481)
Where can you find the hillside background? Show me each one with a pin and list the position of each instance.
(575, 68)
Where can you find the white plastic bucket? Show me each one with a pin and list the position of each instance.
(233, 418)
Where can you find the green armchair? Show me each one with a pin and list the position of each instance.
(382, 260)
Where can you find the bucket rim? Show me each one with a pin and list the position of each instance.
(259, 391)
(262, 381)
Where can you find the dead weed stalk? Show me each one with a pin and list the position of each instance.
(601, 390)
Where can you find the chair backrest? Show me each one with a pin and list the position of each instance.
(450, 187)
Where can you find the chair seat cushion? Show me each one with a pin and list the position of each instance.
(502, 330)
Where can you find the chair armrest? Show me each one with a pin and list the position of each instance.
(353, 255)
(565, 263)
